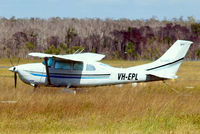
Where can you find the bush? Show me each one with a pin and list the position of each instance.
(29, 45)
(130, 49)
(195, 28)
(53, 50)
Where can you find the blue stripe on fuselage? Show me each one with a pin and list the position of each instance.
(72, 77)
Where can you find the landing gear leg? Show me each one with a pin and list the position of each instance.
(68, 90)
(34, 88)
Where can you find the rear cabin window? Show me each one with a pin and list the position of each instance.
(90, 67)
(78, 66)
(62, 65)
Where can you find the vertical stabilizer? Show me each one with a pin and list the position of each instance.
(168, 64)
(176, 52)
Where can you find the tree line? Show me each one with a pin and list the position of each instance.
(117, 39)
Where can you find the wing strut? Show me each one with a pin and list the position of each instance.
(47, 71)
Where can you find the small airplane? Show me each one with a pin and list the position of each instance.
(84, 69)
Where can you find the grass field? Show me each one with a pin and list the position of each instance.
(148, 108)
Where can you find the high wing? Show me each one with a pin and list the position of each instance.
(73, 57)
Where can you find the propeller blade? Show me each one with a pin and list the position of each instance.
(15, 73)
(15, 77)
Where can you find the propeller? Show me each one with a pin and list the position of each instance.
(15, 77)
(13, 69)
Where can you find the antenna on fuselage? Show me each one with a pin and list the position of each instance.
(76, 51)
(81, 50)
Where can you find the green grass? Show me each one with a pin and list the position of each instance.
(145, 109)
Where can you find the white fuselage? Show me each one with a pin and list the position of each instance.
(100, 74)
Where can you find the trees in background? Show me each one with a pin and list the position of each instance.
(118, 39)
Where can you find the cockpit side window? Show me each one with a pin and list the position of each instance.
(78, 66)
(62, 65)
(90, 67)
(49, 62)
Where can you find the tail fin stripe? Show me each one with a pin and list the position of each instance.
(165, 64)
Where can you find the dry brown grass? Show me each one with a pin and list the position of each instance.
(147, 108)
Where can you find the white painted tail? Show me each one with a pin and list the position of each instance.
(167, 65)
(177, 51)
